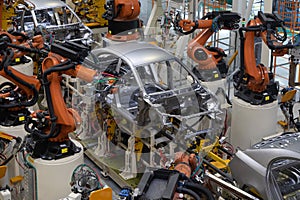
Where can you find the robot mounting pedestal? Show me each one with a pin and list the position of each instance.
(54, 176)
(251, 123)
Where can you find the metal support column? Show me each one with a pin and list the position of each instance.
(266, 53)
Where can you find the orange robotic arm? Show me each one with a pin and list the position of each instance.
(255, 83)
(258, 74)
(199, 41)
(16, 46)
(126, 10)
(207, 57)
(65, 118)
(122, 10)
(123, 19)
(50, 128)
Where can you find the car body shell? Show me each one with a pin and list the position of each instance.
(56, 18)
(254, 167)
(148, 110)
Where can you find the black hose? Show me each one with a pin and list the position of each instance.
(17, 33)
(9, 57)
(252, 28)
(46, 84)
(242, 65)
(270, 42)
(22, 48)
(201, 190)
(4, 60)
(60, 67)
(10, 84)
(228, 178)
(54, 130)
(189, 192)
(22, 82)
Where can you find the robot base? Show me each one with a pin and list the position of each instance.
(54, 176)
(250, 123)
(53, 150)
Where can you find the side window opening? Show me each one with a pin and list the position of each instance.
(126, 83)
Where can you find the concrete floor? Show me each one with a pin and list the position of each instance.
(104, 180)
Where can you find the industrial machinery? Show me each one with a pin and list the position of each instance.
(287, 103)
(187, 176)
(123, 21)
(169, 184)
(49, 129)
(255, 83)
(295, 59)
(86, 185)
(256, 90)
(47, 149)
(204, 55)
(90, 12)
(17, 96)
(146, 109)
(53, 125)
(210, 66)
(55, 20)
(24, 92)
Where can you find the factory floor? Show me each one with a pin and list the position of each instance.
(104, 179)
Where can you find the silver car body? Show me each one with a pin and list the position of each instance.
(174, 95)
(59, 20)
(252, 167)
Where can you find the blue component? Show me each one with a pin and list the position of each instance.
(215, 25)
(125, 194)
(297, 40)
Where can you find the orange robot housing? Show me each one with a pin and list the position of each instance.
(17, 46)
(255, 82)
(51, 127)
(123, 21)
(208, 58)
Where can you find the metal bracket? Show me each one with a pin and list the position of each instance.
(295, 55)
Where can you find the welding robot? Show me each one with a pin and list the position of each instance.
(47, 148)
(13, 106)
(202, 55)
(255, 105)
(211, 68)
(123, 21)
(273, 161)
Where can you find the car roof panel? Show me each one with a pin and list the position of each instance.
(140, 53)
(42, 4)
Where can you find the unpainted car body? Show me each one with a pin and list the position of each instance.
(55, 18)
(152, 94)
(271, 167)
